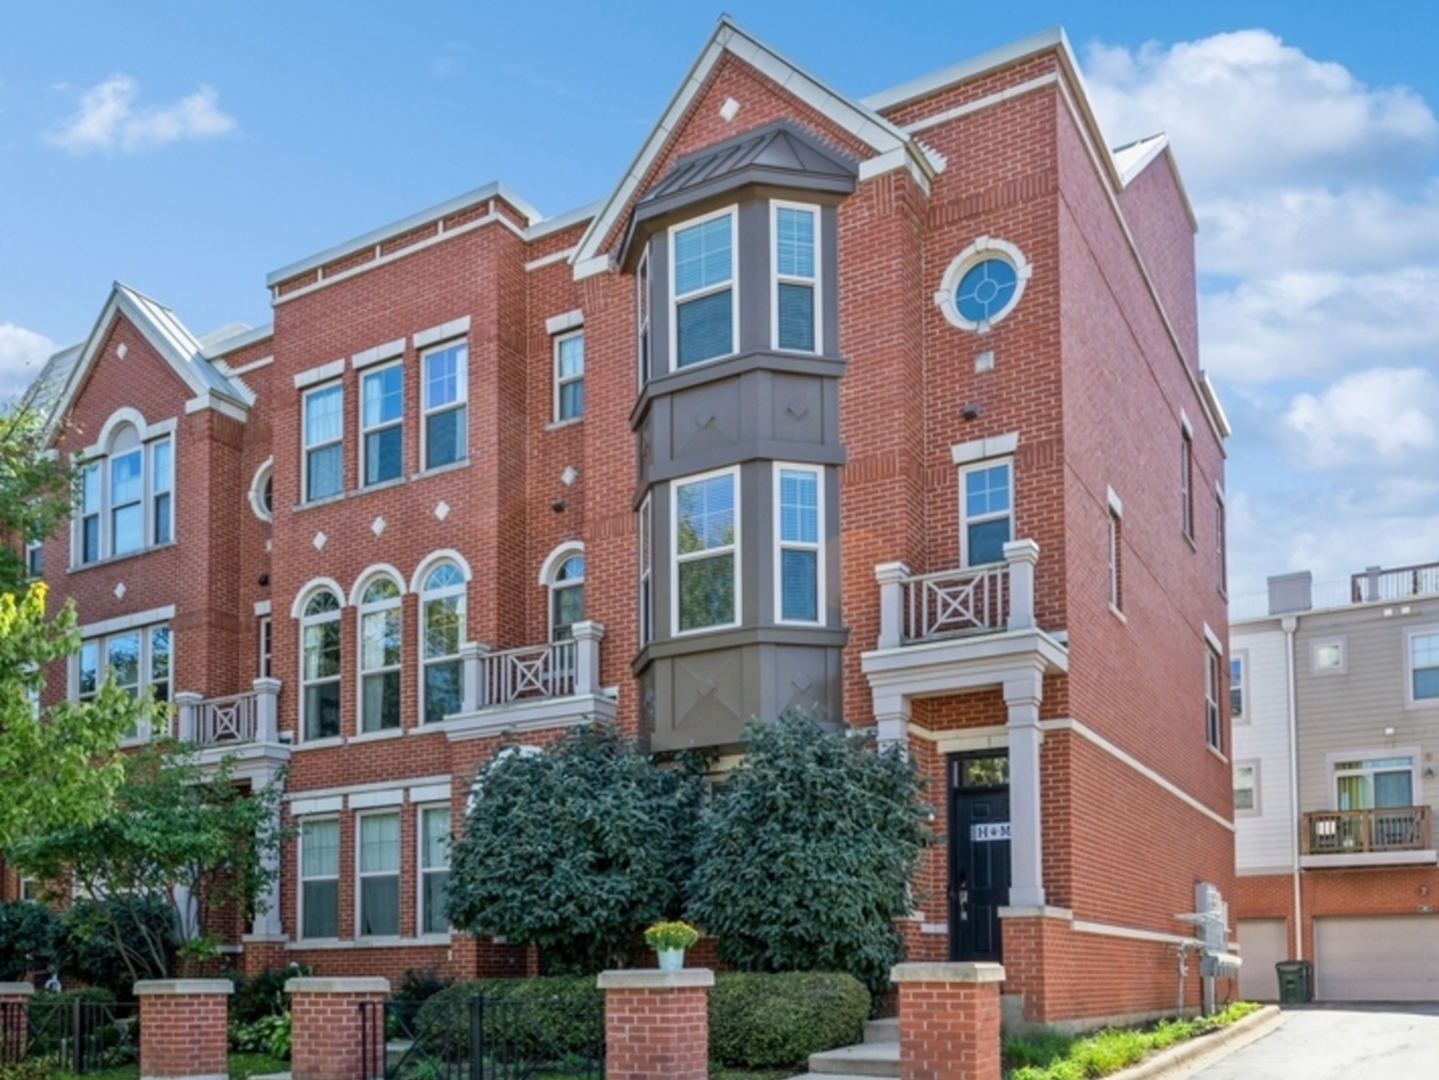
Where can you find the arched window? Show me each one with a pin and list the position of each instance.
(442, 629)
(125, 490)
(380, 655)
(567, 596)
(320, 666)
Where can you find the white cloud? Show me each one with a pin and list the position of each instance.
(22, 354)
(108, 120)
(1318, 324)
(1384, 416)
(1242, 108)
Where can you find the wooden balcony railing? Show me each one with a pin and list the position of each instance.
(1397, 584)
(1364, 832)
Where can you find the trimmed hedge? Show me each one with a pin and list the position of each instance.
(29, 937)
(762, 1021)
(757, 1020)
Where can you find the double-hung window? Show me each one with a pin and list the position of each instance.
(380, 656)
(987, 505)
(642, 317)
(125, 498)
(266, 632)
(135, 660)
(382, 424)
(1424, 665)
(1246, 787)
(444, 404)
(324, 439)
(567, 597)
(1213, 726)
(796, 281)
(1116, 553)
(1186, 483)
(798, 516)
(1237, 712)
(647, 594)
(442, 630)
(706, 531)
(702, 269)
(379, 884)
(570, 376)
(320, 666)
(127, 502)
(90, 513)
(434, 868)
(320, 878)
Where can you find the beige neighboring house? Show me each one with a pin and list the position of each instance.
(1335, 698)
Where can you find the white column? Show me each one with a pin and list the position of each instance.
(1021, 556)
(187, 707)
(891, 720)
(267, 710)
(588, 634)
(470, 654)
(267, 923)
(891, 577)
(1026, 863)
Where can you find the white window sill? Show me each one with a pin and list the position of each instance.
(108, 560)
(1217, 753)
(319, 744)
(377, 736)
(427, 942)
(379, 485)
(1118, 614)
(558, 425)
(438, 470)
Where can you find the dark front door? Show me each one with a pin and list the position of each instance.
(978, 852)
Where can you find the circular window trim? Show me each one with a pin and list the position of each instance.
(257, 489)
(984, 247)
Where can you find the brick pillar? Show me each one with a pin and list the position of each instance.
(263, 952)
(329, 1030)
(948, 1021)
(182, 1028)
(656, 1024)
(14, 1020)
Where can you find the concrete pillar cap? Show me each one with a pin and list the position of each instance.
(16, 989)
(337, 986)
(652, 979)
(173, 987)
(958, 973)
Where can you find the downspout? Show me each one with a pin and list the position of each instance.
(1290, 623)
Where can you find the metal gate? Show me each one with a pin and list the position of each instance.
(492, 1038)
(78, 1036)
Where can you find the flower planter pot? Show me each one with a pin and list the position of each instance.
(671, 959)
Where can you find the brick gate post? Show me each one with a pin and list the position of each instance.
(327, 1031)
(183, 1032)
(14, 1020)
(948, 1021)
(656, 1024)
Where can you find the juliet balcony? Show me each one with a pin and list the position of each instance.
(1391, 836)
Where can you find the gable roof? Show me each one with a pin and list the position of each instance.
(167, 335)
(893, 146)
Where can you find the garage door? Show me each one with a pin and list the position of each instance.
(1262, 944)
(1377, 958)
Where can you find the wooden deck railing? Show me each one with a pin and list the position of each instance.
(1362, 832)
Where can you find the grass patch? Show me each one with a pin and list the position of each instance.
(241, 1067)
(1054, 1055)
(718, 1072)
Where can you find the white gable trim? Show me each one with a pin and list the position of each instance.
(887, 141)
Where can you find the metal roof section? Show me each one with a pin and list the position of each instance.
(564, 221)
(232, 338)
(1052, 38)
(45, 391)
(169, 337)
(1133, 159)
(493, 190)
(893, 147)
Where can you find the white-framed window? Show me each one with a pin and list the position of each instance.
(262, 491)
(1373, 781)
(647, 587)
(1328, 656)
(705, 528)
(986, 500)
(799, 543)
(795, 302)
(34, 559)
(324, 432)
(567, 595)
(31, 891)
(135, 660)
(643, 343)
(704, 320)
(444, 427)
(982, 284)
(378, 873)
(570, 376)
(320, 666)
(442, 631)
(1221, 544)
(434, 845)
(126, 499)
(319, 857)
(1213, 717)
(1238, 698)
(382, 424)
(1246, 788)
(1186, 483)
(1116, 557)
(380, 638)
(266, 631)
(1421, 647)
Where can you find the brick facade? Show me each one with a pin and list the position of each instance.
(182, 1028)
(1094, 375)
(331, 1036)
(657, 1024)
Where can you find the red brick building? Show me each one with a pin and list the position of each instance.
(890, 408)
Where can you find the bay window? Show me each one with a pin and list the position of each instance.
(703, 279)
(706, 568)
(798, 516)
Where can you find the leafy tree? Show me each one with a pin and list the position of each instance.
(29, 935)
(575, 849)
(806, 854)
(60, 762)
(177, 834)
(36, 488)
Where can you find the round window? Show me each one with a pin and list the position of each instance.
(982, 284)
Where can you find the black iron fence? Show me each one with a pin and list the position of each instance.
(78, 1036)
(490, 1039)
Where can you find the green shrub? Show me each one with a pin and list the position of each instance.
(264, 994)
(418, 986)
(34, 1068)
(268, 1035)
(760, 1021)
(554, 1015)
(28, 936)
(89, 948)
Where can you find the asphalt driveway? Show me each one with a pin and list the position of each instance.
(1340, 1042)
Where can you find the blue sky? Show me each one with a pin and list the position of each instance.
(189, 148)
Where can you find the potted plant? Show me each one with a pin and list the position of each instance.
(669, 940)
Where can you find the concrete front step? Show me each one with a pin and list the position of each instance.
(882, 1031)
(862, 1059)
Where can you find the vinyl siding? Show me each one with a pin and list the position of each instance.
(1264, 842)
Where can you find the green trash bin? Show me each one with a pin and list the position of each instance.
(1296, 982)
